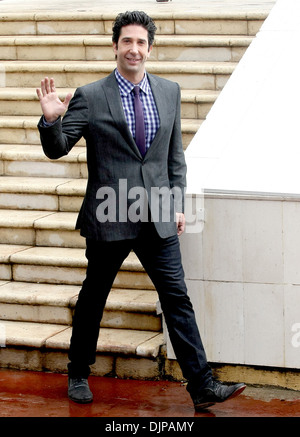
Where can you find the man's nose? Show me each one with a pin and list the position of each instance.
(134, 48)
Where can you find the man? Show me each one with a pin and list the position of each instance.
(104, 113)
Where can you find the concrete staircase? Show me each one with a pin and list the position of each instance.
(42, 262)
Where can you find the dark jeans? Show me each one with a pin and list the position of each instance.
(161, 259)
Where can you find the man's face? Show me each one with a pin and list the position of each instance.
(132, 51)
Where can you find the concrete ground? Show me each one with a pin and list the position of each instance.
(39, 394)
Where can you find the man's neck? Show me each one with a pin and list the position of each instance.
(135, 79)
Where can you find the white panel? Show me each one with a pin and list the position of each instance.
(224, 322)
(262, 241)
(291, 242)
(222, 240)
(264, 324)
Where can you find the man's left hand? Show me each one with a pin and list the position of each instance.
(180, 222)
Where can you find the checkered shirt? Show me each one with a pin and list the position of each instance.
(152, 122)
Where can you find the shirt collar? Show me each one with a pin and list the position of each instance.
(126, 86)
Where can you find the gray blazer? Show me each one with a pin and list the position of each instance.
(123, 189)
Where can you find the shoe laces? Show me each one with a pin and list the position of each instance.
(79, 382)
(217, 386)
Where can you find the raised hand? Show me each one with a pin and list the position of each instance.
(51, 104)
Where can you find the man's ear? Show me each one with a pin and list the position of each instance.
(115, 47)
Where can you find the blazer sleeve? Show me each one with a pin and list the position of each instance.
(59, 138)
(176, 160)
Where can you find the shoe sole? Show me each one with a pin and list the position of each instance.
(200, 407)
(81, 401)
(236, 393)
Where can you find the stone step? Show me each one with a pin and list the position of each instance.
(212, 22)
(20, 101)
(40, 228)
(47, 194)
(30, 160)
(23, 130)
(124, 353)
(54, 304)
(19, 129)
(189, 48)
(56, 265)
(71, 74)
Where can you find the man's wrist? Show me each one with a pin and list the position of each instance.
(48, 123)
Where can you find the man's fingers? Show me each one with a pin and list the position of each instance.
(180, 219)
(39, 94)
(52, 85)
(47, 85)
(43, 90)
(51, 104)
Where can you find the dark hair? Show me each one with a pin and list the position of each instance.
(135, 17)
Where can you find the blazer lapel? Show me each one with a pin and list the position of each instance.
(160, 100)
(115, 105)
